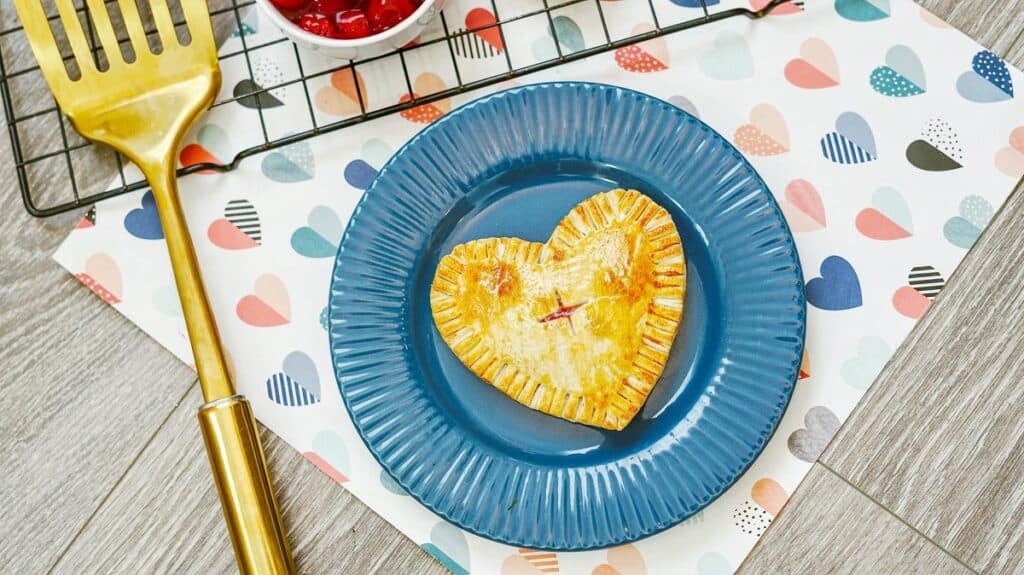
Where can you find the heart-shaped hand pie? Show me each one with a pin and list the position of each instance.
(579, 327)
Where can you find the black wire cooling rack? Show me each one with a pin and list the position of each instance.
(75, 161)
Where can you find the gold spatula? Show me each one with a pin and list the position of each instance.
(143, 108)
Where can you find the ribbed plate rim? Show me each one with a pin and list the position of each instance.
(450, 119)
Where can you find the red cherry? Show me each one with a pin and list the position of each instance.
(352, 24)
(317, 24)
(406, 7)
(292, 5)
(384, 14)
(330, 8)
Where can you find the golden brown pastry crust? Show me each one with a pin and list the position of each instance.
(579, 327)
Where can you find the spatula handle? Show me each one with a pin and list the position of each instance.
(199, 320)
(246, 494)
(229, 427)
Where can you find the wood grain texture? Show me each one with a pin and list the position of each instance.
(82, 391)
(939, 438)
(165, 516)
(844, 532)
(997, 25)
(108, 474)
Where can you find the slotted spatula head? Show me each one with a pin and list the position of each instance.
(143, 107)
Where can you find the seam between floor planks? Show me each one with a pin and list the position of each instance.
(120, 479)
(897, 517)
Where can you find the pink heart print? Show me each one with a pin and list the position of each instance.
(342, 97)
(767, 493)
(531, 562)
(623, 560)
(649, 56)
(910, 303)
(426, 84)
(803, 207)
(226, 235)
(782, 10)
(268, 305)
(1010, 160)
(103, 277)
(765, 135)
(816, 68)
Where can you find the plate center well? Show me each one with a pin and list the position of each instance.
(528, 203)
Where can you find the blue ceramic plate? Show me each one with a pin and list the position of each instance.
(513, 164)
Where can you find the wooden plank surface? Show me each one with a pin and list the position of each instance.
(108, 475)
(82, 391)
(939, 438)
(816, 534)
(168, 505)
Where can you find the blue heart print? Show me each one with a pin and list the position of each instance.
(694, 3)
(320, 238)
(838, 287)
(297, 384)
(284, 390)
(990, 67)
(391, 485)
(863, 10)
(359, 174)
(852, 142)
(568, 33)
(856, 128)
(963, 230)
(988, 80)
(570, 39)
(901, 76)
(448, 545)
(331, 449)
(889, 82)
(960, 232)
(713, 563)
(144, 222)
(293, 163)
(307, 242)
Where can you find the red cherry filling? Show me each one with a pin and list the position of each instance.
(330, 8)
(347, 19)
(317, 24)
(352, 24)
(293, 5)
(383, 14)
(564, 311)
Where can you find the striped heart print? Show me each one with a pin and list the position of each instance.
(481, 38)
(469, 45)
(243, 215)
(284, 390)
(926, 280)
(841, 150)
(852, 142)
(298, 382)
(545, 562)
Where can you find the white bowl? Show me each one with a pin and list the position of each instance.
(361, 48)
